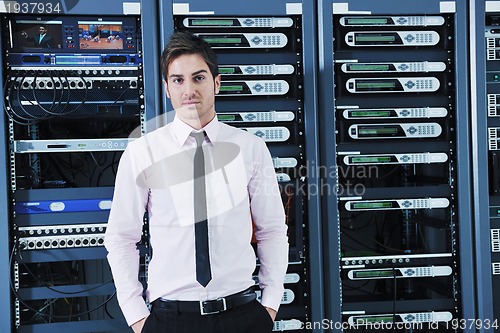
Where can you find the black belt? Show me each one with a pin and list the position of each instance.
(220, 304)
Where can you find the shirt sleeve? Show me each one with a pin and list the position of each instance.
(123, 232)
(270, 229)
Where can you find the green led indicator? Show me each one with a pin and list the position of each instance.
(368, 67)
(219, 40)
(373, 274)
(367, 21)
(226, 117)
(374, 38)
(374, 85)
(380, 319)
(371, 159)
(231, 88)
(376, 131)
(371, 205)
(216, 22)
(227, 70)
(358, 114)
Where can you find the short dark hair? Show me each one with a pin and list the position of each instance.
(186, 43)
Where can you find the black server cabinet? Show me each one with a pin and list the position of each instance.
(72, 101)
(266, 55)
(396, 147)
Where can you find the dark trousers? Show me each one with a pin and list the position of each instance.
(248, 318)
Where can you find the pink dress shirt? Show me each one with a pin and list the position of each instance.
(241, 188)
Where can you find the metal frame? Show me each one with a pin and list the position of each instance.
(327, 144)
(479, 142)
(464, 181)
(5, 294)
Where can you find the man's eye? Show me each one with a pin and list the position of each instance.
(199, 78)
(177, 80)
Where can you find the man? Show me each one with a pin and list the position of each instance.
(42, 39)
(193, 287)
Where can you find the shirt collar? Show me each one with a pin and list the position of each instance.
(182, 130)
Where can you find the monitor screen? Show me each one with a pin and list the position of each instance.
(37, 35)
(100, 35)
(71, 34)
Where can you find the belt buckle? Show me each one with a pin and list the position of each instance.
(204, 303)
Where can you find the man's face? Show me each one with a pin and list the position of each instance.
(42, 30)
(191, 89)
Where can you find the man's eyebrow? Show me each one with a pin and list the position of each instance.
(193, 74)
(199, 72)
(175, 75)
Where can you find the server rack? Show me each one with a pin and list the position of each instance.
(77, 98)
(266, 55)
(372, 56)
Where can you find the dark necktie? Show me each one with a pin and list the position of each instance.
(203, 274)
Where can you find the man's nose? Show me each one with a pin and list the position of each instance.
(189, 89)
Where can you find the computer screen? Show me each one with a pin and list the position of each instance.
(100, 35)
(35, 35)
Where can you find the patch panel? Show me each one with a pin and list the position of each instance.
(400, 272)
(416, 317)
(390, 204)
(70, 145)
(284, 162)
(495, 240)
(55, 230)
(495, 268)
(388, 260)
(240, 22)
(71, 83)
(289, 278)
(287, 325)
(58, 242)
(287, 298)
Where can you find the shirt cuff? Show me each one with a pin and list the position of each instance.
(134, 310)
(271, 297)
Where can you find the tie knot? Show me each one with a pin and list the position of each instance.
(199, 137)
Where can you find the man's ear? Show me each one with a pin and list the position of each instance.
(165, 85)
(217, 84)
